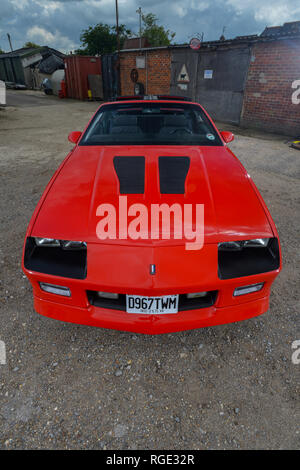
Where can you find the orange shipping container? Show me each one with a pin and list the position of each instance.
(77, 70)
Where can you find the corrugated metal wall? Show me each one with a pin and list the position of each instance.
(215, 78)
(11, 70)
(77, 70)
(110, 76)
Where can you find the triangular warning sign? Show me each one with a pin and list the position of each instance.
(183, 76)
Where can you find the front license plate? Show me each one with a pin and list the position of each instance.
(152, 305)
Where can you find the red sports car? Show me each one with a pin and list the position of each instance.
(151, 225)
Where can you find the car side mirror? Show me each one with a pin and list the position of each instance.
(227, 136)
(74, 136)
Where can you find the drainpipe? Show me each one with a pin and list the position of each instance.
(196, 78)
(117, 28)
(146, 59)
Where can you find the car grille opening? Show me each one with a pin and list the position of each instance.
(184, 303)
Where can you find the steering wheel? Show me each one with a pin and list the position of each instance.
(181, 129)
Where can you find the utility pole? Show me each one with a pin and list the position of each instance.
(117, 64)
(9, 40)
(117, 28)
(139, 11)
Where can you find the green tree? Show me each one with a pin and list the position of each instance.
(102, 39)
(2, 51)
(157, 35)
(31, 44)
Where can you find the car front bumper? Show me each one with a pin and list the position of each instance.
(125, 270)
(151, 324)
(77, 309)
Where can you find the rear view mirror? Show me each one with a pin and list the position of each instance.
(74, 136)
(227, 136)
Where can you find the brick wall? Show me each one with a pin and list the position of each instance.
(159, 72)
(267, 105)
(268, 93)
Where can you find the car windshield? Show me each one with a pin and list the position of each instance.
(142, 123)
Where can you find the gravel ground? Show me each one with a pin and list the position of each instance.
(67, 386)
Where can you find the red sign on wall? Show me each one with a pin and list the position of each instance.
(195, 43)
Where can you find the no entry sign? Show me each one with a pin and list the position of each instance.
(195, 43)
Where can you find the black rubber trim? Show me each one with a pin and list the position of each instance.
(172, 174)
(248, 261)
(131, 174)
(198, 302)
(55, 261)
(111, 304)
(184, 302)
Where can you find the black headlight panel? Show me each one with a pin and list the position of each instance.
(58, 259)
(243, 258)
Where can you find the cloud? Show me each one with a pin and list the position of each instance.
(58, 23)
(42, 36)
(271, 13)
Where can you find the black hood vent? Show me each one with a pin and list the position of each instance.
(172, 174)
(131, 174)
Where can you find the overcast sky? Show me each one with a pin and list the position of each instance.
(59, 23)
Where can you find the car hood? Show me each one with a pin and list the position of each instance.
(216, 178)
